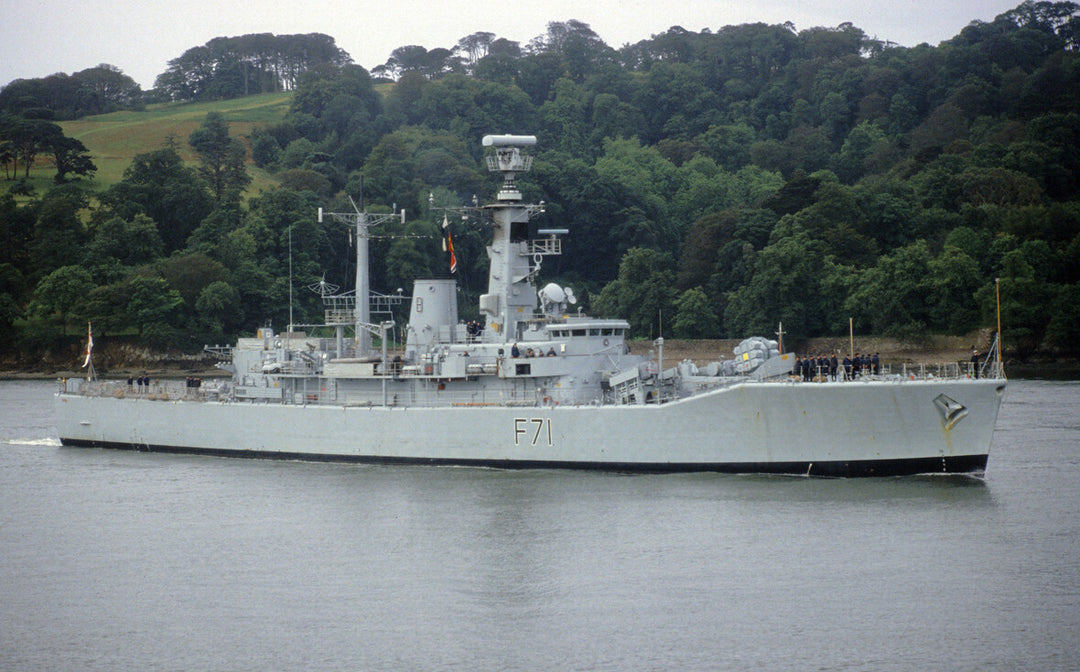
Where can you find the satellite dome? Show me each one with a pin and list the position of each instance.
(553, 293)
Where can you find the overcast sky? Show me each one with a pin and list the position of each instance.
(41, 37)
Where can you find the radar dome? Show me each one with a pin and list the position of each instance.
(553, 293)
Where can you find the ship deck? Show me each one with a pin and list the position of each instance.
(220, 389)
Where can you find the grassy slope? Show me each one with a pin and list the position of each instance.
(114, 139)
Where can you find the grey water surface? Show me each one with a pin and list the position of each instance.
(113, 560)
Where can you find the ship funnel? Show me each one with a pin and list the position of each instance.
(433, 316)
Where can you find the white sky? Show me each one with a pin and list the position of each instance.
(41, 37)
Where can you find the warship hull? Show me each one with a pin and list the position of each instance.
(872, 428)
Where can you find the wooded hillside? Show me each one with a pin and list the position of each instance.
(720, 181)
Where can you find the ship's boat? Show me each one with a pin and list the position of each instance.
(534, 384)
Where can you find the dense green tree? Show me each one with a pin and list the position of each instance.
(408, 163)
(474, 47)
(703, 239)
(784, 285)
(728, 144)
(892, 296)
(221, 157)
(70, 157)
(613, 117)
(103, 88)
(217, 307)
(324, 88)
(129, 243)
(155, 309)
(890, 207)
(536, 74)
(227, 67)
(411, 256)
(676, 102)
(299, 153)
(705, 189)
(58, 232)
(944, 126)
(565, 117)
(866, 150)
(649, 177)
(806, 148)
(716, 247)
(416, 59)
(211, 236)
(580, 50)
(694, 316)
(1063, 330)
(189, 274)
(583, 202)
(471, 108)
(305, 180)
(159, 185)
(280, 224)
(62, 294)
(643, 293)
(26, 137)
(501, 64)
(952, 282)
(12, 287)
(106, 306)
(796, 194)
(16, 231)
(1025, 303)
(265, 149)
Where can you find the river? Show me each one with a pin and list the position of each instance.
(112, 560)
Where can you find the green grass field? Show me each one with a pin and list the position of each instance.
(114, 139)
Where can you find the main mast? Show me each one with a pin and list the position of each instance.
(511, 296)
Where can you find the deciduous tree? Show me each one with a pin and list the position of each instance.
(71, 157)
(63, 293)
(221, 157)
(159, 185)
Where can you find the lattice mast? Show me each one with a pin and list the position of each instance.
(363, 221)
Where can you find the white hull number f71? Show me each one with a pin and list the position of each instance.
(532, 431)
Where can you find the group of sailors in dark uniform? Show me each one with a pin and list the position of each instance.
(516, 352)
(143, 382)
(823, 367)
(474, 330)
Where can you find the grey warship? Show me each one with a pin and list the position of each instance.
(537, 384)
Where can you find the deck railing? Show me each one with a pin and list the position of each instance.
(159, 389)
